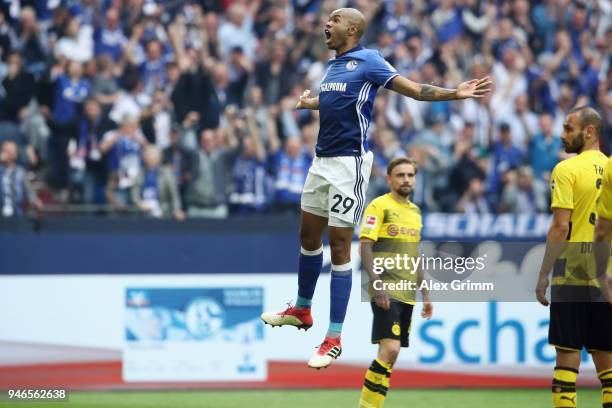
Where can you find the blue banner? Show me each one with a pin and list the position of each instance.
(238, 246)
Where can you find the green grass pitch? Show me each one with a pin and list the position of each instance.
(311, 398)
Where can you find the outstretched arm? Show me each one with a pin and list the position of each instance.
(476, 88)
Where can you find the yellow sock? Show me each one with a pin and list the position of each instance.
(606, 388)
(564, 387)
(375, 385)
(387, 379)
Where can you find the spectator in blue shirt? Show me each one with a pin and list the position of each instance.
(15, 190)
(110, 38)
(70, 91)
(505, 156)
(544, 149)
(291, 165)
(447, 21)
(397, 21)
(153, 69)
(577, 26)
(539, 89)
(123, 148)
(250, 176)
(545, 19)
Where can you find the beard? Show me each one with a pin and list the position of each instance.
(404, 191)
(576, 145)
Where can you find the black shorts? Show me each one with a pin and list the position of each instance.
(393, 323)
(574, 325)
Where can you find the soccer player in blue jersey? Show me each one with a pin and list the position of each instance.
(338, 178)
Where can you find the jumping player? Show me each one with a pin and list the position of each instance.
(334, 191)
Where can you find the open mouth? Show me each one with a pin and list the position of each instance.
(327, 34)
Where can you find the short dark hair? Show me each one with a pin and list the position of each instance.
(7, 142)
(588, 117)
(504, 127)
(402, 160)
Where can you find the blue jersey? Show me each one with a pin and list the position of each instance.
(346, 99)
(68, 96)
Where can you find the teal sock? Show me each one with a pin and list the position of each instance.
(334, 331)
(303, 303)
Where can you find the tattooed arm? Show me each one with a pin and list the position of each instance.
(476, 88)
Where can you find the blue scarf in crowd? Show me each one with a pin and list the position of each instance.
(11, 191)
(290, 177)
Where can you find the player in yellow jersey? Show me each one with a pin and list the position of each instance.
(603, 236)
(575, 322)
(391, 226)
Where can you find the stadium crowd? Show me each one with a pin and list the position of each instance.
(186, 108)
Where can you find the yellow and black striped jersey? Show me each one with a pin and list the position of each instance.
(575, 185)
(396, 229)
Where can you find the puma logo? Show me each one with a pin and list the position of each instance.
(573, 400)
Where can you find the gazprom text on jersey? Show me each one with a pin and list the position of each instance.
(333, 86)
